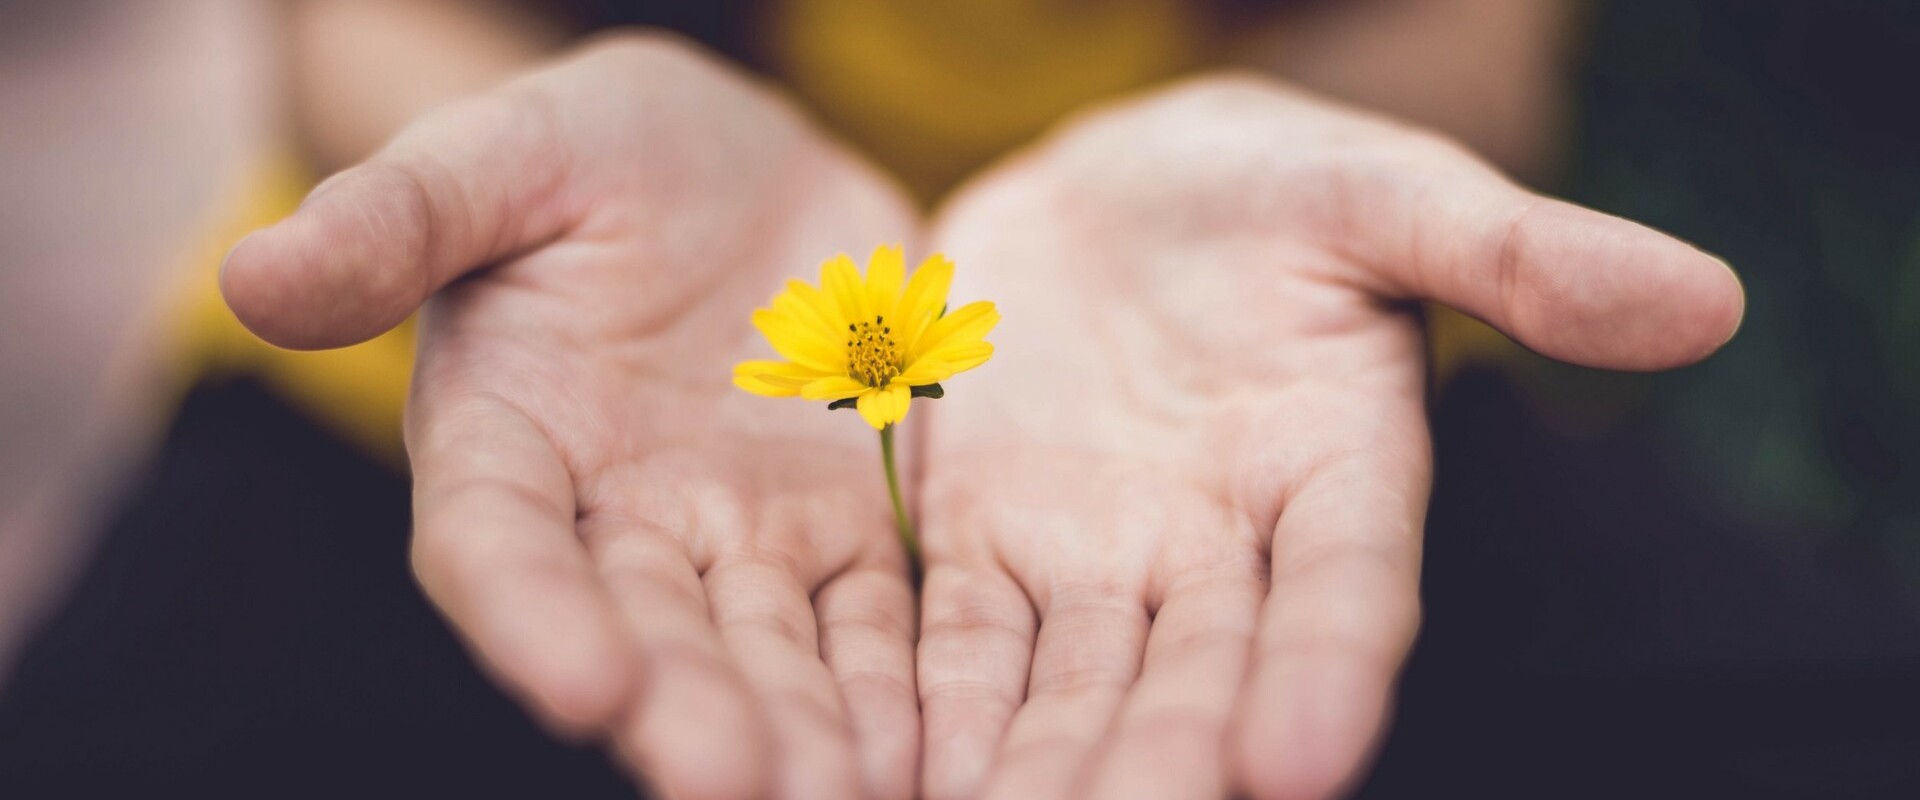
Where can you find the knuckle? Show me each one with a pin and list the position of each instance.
(826, 715)
(1208, 640)
(764, 616)
(687, 655)
(879, 682)
(973, 694)
(1081, 680)
(442, 415)
(386, 213)
(973, 615)
(1338, 559)
(475, 489)
(420, 200)
(877, 620)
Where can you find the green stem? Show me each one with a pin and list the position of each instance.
(908, 538)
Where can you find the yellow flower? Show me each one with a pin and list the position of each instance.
(872, 341)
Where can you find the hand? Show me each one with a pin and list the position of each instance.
(1173, 530)
(629, 543)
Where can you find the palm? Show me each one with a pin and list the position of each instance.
(1201, 452)
(1202, 374)
(692, 505)
(1141, 498)
(638, 549)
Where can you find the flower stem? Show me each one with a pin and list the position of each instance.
(908, 538)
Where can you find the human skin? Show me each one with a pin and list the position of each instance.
(123, 126)
(707, 580)
(1485, 72)
(1173, 530)
(1191, 483)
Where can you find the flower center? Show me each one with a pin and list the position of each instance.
(872, 354)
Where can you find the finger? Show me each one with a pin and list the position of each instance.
(692, 728)
(866, 638)
(494, 548)
(1338, 620)
(465, 186)
(767, 621)
(1170, 738)
(976, 642)
(1566, 281)
(1087, 655)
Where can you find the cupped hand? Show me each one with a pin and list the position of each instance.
(634, 547)
(1173, 531)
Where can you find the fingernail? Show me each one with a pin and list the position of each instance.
(1742, 287)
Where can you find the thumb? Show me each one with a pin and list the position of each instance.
(1569, 282)
(464, 187)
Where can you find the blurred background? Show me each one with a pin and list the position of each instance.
(1700, 583)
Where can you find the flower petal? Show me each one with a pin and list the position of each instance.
(807, 307)
(925, 295)
(820, 303)
(772, 378)
(841, 280)
(832, 387)
(885, 406)
(800, 343)
(961, 356)
(754, 385)
(886, 270)
(924, 371)
(970, 323)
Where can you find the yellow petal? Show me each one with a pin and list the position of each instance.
(961, 356)
(772, 378)
(818, 300)
(885, 272)
(780, 372)
(799, 343)
(924, 371)
(925, 295)
(841, 280)
(970, 323)
(832, 387)
(885, 406)
(755, 386)
(823, 318)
